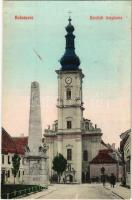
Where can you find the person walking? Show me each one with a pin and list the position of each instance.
(103, 179)
(112, 180)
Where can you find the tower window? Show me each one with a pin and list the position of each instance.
(68, 94)
(69, 154)
(69, 124)
(85, 155)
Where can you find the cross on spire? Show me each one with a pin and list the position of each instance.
(69, 12)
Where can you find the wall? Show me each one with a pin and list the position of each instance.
(92, 144)
(127, 156)
(8, 167)
(95, 169)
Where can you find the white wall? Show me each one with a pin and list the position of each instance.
(95, 169)
(8, 167)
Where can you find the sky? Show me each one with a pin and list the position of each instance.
(103, 47)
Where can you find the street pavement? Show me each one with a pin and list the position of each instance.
(122, 192)
(75, 191)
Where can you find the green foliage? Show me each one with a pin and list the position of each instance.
(12, 191)
(59, 164)
(16, 165)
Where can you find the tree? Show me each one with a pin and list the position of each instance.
(59, 165)
(16, 165)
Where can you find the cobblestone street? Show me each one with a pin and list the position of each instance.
(77, 191)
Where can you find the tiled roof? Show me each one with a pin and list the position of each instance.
(13, 144)
(20, 143)
(103, 143)
(8, 145)
(103, 157)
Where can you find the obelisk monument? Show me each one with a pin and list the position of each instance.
(35, 127)
(35, 160)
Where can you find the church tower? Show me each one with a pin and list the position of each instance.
(70, 104)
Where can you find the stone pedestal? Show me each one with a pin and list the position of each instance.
(36, 170)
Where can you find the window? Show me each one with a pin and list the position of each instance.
(69, 125)
(85, 155)
(2, 159)
(9, 160)
(128, 165)
(8, 173)
(86, 126)
(68, 94)
(23, 172)
(19, 174)
(69, 154)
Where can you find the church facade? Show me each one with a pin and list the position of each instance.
(71, 135)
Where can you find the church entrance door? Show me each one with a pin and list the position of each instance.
(71, 178)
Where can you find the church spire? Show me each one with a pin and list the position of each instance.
(70, 60)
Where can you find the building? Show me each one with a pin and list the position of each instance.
(11, 146)
(71, 135)
(109, 160)
(125, 148)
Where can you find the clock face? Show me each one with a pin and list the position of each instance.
(68, 80)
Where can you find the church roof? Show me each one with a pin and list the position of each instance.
(8, 145)
(70, 61)
(103, 157)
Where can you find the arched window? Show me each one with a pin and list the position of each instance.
(85, 155)
(69, 124)
(69, 154)
(68, 94)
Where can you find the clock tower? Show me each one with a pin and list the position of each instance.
(70, 105)
(69, 102)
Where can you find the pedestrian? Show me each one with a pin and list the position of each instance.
(103, 179)
(64, 180)
(112, 180)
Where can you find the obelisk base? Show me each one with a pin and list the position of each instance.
(36, 172)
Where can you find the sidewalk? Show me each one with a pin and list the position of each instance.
(40, 194)
(122, 192)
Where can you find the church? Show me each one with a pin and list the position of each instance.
(75, 137)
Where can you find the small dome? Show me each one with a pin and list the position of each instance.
(70, 61)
